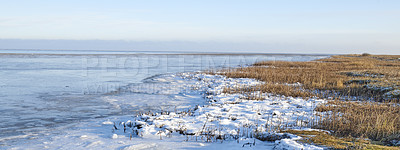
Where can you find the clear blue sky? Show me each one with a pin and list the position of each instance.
(302, 26)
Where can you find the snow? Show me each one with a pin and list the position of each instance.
(241, 123)
(293, 145)
(114, 136)
(107, 122)
(394, 93)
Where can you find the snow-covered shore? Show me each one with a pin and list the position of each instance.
(224, 121)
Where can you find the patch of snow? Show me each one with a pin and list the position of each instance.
(394, 93)
(141, 146)
(107, 122)
(294, 145)
(114, 136)
(84, 137)
(229, 115)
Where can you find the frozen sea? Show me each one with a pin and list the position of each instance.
(43, 90)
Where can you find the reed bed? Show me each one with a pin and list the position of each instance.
(376, 121)
(369, 77)
(371, 82)
(324, 138)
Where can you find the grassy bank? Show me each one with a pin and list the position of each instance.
(369, 77)
(364, 89)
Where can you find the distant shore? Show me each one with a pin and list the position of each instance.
(101, 52)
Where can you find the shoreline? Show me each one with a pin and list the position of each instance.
(236, 119)
(153, 128)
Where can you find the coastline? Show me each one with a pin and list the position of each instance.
(152, 134)
(235, 120)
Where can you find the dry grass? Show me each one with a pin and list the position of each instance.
(323, 138)
(376, 121)
(345, 76)
(280, 89)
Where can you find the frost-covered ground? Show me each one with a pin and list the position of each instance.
(224, 121)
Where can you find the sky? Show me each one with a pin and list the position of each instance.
(284, 26)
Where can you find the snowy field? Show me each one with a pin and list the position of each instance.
(218, 121)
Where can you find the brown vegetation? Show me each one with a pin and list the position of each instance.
(323, 138)
(376, 121)
(346, 77)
